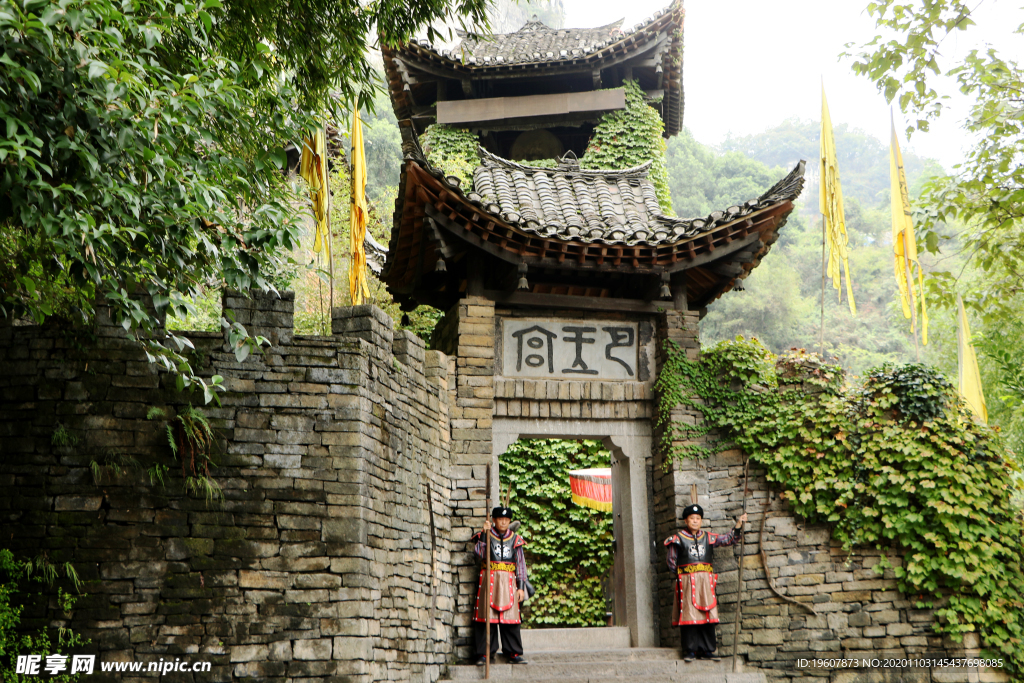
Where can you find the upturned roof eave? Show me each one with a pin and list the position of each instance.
(753, 232)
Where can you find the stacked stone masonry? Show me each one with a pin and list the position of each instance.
(857, 612)
(320, 564)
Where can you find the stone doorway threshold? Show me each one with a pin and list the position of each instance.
(596, 638)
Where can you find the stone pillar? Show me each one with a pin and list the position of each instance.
(263, 313)
(469, 332)
(673, 481)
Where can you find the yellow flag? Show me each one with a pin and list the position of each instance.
(968, 375)
(357, 232)
(313, 167)
(831, 206)
(903, 243)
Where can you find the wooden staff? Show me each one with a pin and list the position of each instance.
(739, 595)
(433, 557)
(487, 581)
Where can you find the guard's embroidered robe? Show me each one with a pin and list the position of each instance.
(507, 563)
(691, 558)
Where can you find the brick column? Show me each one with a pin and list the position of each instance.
(672, 481)
(265, 314)
(469, 331)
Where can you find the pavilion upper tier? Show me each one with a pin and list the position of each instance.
(538, 76)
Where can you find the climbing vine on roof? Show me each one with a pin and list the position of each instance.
(896, 460)
(453, 151)
(630, 137)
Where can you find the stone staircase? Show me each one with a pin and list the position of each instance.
(599, 655)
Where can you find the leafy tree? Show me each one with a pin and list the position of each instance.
(144, 142)
(702, 181)
(986, 191)
(19, 636)
(863, 159)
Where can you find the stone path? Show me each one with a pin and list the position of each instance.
(600, 656)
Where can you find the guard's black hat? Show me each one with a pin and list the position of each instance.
(501, 512)
(693, 510)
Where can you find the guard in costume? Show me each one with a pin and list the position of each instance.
(690, 557)
(508, 587)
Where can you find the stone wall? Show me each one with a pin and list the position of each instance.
(672, 480)
(318, 564)
(846, 610)
(467, 334)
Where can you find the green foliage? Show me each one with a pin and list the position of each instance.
(696, 385)
(383, 145)
(192, 440)
(114, 465)
(16, 577)
(203, 316)
(63, 437)
(896, 462)
(702, 180)
(569, 547)
(631, 137)
(144, 141)
(980, 206)
(863, 160)
(452, 150)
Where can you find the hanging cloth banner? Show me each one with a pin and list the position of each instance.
(357, 226)
(313, 168)
(831, 205)
(968, 374)
(592, 488)
(903, 243)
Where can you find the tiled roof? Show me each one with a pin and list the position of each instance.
(535, 42)
(567, 222)
(608, 207)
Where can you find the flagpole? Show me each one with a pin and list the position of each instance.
(913, 304)
(823, 240)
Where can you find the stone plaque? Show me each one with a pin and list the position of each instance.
(570, 349)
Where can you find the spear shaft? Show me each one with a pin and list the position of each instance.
(739, 597)
(487, 582)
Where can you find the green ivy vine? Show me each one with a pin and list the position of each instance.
(630, 137)
(623, 139)
(452, 150)
(569, 548)
(896, 462)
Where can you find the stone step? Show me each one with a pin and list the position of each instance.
(597, 668)
(692, 676)
(635, 654)
(600, 638)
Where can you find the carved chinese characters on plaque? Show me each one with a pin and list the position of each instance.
(553, 349)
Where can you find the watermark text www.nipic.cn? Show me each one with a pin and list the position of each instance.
(53, 665)
(898, 663)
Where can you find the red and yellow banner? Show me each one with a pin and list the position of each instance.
(592, 488)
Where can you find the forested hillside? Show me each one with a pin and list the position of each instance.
(780, 303)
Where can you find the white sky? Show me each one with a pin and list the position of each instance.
(749, 64)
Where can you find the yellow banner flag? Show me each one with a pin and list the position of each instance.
(357, 232)
(831, 206)
(967, 367)
(313, 168)
(903, 243)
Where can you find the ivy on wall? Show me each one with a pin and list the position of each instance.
(452, 150)
(623, 139)
(630, 137)
(896, 461)
(569, 548)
